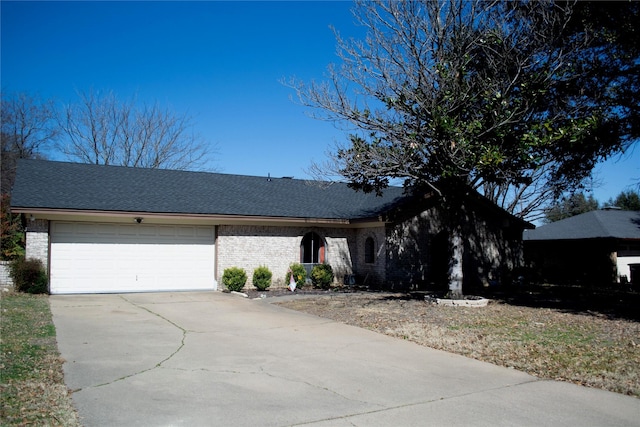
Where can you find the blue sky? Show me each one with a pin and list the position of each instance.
(220, 62)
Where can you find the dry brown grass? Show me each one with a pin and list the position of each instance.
(586, 348)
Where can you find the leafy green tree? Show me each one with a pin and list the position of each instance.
(448, 95)
(606, 70)
(11, 233)
(626, 200)
(566, 207)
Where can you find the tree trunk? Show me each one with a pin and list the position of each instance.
(455, 265)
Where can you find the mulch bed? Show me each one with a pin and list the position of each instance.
(280, 292)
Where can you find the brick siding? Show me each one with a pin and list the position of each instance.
(38, 241)
(248, 247)
(5, 279)
(371, 274)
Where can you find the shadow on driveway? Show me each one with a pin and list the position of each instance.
(210, 358)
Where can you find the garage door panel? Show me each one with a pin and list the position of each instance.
(130, 258)
(167, 231)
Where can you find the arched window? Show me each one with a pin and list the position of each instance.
(312, 249)
(369, 250)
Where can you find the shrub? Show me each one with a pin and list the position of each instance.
(29, 276)
(234, 278)
(322, 276)
(262, 278)
(11, 233)
(299, 274)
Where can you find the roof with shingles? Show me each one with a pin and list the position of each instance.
(600, 224)
(42, 184)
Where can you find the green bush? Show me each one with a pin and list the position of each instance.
(234, 278)
(322, 276)
(29, 276)
(299, 275)
(11, 232)
(262, 278)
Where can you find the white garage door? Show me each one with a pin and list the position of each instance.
(102, 258)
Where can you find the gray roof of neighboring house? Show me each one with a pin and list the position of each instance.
(600, 224)
(42, 184)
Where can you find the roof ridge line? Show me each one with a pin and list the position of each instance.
(603, 226)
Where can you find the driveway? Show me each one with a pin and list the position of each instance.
(208, 358)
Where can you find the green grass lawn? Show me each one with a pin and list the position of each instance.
(32, 388)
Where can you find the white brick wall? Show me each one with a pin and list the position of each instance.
(5, 278)
(249, 247)
(37, 239)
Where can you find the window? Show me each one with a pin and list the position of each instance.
(369, 250)
(312, 249)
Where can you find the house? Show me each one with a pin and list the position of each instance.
(601, 246)
(117, 229)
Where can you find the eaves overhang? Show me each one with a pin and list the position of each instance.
(579, 239)
(56, 214)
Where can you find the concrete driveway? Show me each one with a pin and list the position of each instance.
(204, 359)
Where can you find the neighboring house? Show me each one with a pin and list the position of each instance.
(117, 229)
(597, 247)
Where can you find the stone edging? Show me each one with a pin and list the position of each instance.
(480, 302)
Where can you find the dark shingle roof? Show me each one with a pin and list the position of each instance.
(599, 224)
(43, 184)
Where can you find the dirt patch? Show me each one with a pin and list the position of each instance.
(584, 347)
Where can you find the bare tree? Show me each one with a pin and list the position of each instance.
(28, 129)
(101, 129)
